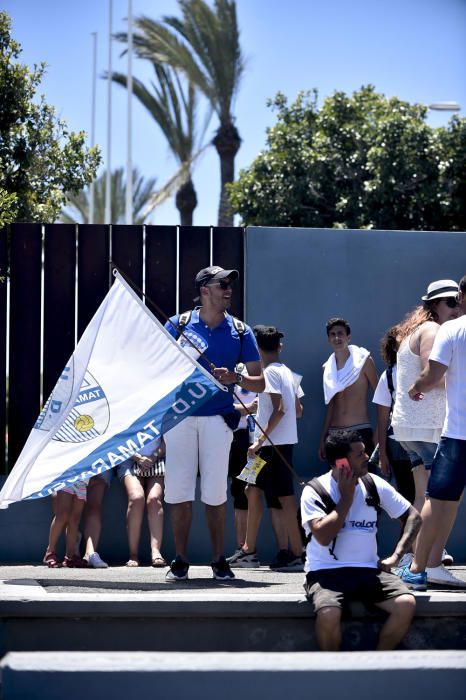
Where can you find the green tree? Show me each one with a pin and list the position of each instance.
(40, 159)
(78, 206)
(453, 174)
(174, 110)
(360, 161)
(204, 46)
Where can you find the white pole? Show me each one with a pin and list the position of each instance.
(129, 164)
(108, 180)
(93, 104)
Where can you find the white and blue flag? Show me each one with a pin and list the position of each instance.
(127, 383)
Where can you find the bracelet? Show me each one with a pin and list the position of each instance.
(239, 378)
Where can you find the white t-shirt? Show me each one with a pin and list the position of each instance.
(356, 543)
(279, 379)
(382, 396)
(449, 349)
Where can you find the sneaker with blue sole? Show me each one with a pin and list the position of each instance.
(415, 582)
(178, 570)
(221, 570)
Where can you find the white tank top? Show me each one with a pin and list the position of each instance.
(415, 421)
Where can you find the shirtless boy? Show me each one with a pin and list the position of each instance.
(348, 373)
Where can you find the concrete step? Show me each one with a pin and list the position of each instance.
(118, 610)
(275, 676)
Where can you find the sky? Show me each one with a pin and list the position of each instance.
(411, 49)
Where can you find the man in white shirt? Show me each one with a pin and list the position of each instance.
(278, 408)
(448, 475)
(341, 555)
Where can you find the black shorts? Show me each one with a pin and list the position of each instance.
(275, 479)
(336, 588)
(238, 459)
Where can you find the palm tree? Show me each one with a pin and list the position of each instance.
(174, 109)
(204, 46)
(78, 205)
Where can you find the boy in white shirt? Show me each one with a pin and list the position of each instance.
(278, 408)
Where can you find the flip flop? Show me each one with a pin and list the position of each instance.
(52, 560)
(159, 563)
(132, 563)
(74, 562)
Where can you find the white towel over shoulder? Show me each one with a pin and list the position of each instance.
(336, 380)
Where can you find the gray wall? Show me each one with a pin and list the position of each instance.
(298, 278)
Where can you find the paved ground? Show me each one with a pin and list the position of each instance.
(121, 579)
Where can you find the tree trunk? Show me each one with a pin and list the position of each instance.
(186, 202)
(227, 142)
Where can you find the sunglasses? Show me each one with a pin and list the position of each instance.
(223, 284)
(451, 302)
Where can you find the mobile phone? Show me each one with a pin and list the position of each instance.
(343, 464)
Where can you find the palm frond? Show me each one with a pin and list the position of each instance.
(204, 45)
(77, 208)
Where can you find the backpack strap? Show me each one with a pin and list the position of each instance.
(372, 498)
(240, 328)
(183, 320)
(327, 505)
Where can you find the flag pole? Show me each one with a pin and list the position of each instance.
(129, 164)
(108, 179)
(93, 108)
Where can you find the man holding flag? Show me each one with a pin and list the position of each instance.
(127, 383)
(219, 342)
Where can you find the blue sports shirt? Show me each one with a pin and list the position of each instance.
(222, 346)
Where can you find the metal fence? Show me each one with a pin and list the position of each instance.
(58, 275)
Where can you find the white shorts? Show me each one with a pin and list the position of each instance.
(199, 441)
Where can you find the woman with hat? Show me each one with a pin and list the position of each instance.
(417, 425)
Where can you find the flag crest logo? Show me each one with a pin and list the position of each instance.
(90, 415)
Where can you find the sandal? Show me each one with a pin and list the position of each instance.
(74, 562)
(159, 562)
(52, 561)
(132, 563)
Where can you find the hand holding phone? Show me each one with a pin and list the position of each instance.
(346, 479)
(344, 465)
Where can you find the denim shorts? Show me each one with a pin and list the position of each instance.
(448, 476)
(420, 452)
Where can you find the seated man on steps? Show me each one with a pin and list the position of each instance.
(339, 514)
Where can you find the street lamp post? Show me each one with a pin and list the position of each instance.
(445, 106)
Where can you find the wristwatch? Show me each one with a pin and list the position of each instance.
(239, 378)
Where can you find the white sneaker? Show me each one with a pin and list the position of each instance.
(443, 577)
(95, 562)
(406, 560)
(447, 559)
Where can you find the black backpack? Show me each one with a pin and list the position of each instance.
(328, 504)
(185, 318)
